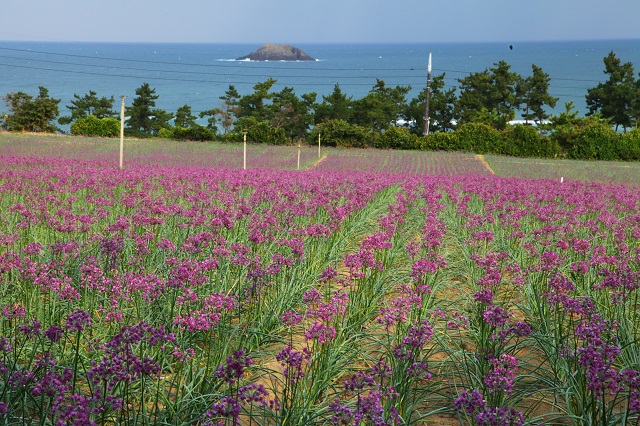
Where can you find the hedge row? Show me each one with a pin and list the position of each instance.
(596, 141)
(593, 141)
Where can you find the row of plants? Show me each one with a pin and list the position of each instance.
(583, 139)
(178, 295)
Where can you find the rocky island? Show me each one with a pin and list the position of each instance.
(277, 52)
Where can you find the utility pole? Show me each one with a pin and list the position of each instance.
(121, 129)
(426, 108)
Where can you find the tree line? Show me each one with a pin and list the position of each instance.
(384, 117)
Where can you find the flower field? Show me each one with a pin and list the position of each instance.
(428, 292)
(614, 172)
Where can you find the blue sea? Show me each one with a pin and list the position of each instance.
(199, 74)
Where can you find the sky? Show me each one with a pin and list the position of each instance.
(318, 21)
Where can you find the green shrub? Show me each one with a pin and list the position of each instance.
(526, 141)
(94, 126)
(628, 147)
(258, 132)
(479, 138)
(440, 141)
(341, 133)
(597, 141)
(195, 133)
(165, 133)
(397, 138)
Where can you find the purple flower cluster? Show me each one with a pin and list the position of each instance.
(78, 320)
(293, 362)
(501, 375)
(122, 360)
(234, 368)
(473, 404)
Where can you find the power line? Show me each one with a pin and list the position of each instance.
(185, 80)
(242, 65)
(232, 64)
(168, 78)
(187, 72)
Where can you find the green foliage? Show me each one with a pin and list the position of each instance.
(256, 105)
(615, 98)
(94, 126)
(526, 141)
(596, 141)
(166, 133)
(397, 138)
(381, 107)
(144, 119)
(518, 140)
(226, 113)
(628, 147)
(565, 127)
(28, 114)
(341, 133)
(292, 114)
(440, 141)
(441, 108)
(492, 91)
(193, 133)
(258, 132)
(88, 105)
(534, 93)
(336, 106)
(184, 117)
(479, 138)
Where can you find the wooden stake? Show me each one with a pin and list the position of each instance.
(122, 130)
(298, 155)
(244, 163)
(318, 146)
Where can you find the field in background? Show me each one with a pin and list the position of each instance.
(221, 155)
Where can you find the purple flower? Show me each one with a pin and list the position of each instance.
(312, 296)
(227, 408)
(359, 381)
(495, 316)
(550, 260)
(320, 332)
(234, 367)
(469, 402)
(419, 370)
(422, 267)
(484, 296)
(290, 318)
(5, 345)
(499, 416)
(500, 378)
(293, 362)
(327, 275)
(340, 414)
(253, 393)
(30, 330)
(78, 320)
(16, 310)
(418, 336)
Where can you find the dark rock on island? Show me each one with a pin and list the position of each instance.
(277, 52)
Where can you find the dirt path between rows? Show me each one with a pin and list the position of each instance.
(480, 158)
(314, 165)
